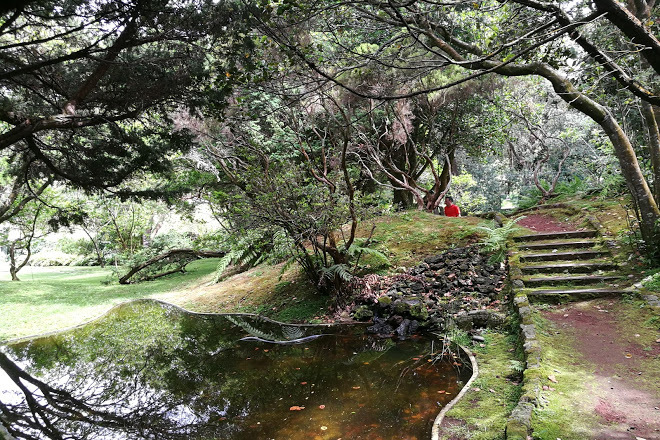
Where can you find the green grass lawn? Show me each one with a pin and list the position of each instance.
(53, 298)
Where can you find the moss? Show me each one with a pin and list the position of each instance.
(561, 413)
(385, 300)
(362, 313)
(484, 410)
(419, 311)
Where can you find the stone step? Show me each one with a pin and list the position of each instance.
(579, 280)
(557, 236)
(557, 256)
(559, 245)
(566, 295)
(571, 267)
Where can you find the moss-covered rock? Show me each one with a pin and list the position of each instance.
(363, 313)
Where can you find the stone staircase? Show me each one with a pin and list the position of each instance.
(565, 266)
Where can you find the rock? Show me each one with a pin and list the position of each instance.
(400, 307)
(363, 313)
(380, 327)
(434, 259)
(407, 328)
(417, 287)
(519, 423)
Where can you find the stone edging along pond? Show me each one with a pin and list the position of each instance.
(435, 433)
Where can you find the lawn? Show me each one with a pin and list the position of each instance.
(53, 298)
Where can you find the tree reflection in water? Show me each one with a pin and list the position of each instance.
(151, 371)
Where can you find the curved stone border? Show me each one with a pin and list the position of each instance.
(435, 433)
(107, 312)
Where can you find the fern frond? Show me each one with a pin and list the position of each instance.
(287, 265)
(336, 271)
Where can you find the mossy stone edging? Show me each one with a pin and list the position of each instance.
(520, 421)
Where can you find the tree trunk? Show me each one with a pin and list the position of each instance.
(649, 112)
(403, 199)
(173, 252)
(12, 262)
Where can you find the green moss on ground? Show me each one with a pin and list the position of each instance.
(561, 413)
(483, 412)
(408, 237)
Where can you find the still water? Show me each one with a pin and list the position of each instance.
(149, 370)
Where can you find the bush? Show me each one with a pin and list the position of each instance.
(52, 258)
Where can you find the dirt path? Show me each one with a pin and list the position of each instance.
(624, 388)
(613, 341)
(542, 223)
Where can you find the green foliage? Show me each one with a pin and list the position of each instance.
(467, 194)
(652, 282)
(336, 272)
(571, 187)
(253, 248)
(497, 238)
(362, 246)
(459, 337)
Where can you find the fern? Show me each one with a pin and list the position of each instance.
(249, 250)
(287, 265)
(361, 246)
(336, 271)
(496, 239)
(517, 366)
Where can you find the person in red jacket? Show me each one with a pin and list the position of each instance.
(451, 210)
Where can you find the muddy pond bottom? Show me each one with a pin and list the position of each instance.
(149, 370)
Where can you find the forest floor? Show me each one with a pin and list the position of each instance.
(603, 360)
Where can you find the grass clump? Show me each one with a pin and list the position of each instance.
(406, 238)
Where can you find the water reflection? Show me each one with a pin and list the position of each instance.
(152, 371)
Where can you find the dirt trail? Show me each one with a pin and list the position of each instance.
(624, 395)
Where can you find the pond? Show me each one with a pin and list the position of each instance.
(149, 370)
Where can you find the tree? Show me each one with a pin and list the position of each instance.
(23, 229)
(415, 142)
(87, 87)
(282, 167)
(520, 38)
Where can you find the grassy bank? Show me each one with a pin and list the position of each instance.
(54, 298)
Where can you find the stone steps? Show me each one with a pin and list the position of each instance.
(568, 262)
(565, 256)
(570, 267)
(566, 295)
(557, 235)
(580, 280)
(558, 245)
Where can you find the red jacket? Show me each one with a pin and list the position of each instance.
(452, 211)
